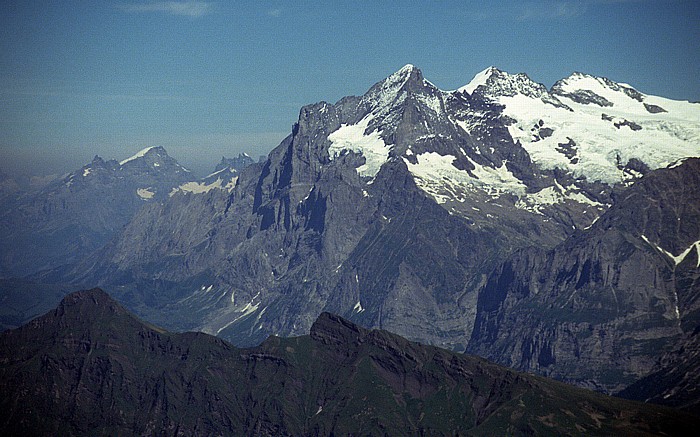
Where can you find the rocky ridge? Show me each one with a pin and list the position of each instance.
(90, 367)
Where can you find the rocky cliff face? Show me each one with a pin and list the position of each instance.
(89, 367)
(351, 209)
(601, 307)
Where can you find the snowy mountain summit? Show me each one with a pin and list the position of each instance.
(506, 134)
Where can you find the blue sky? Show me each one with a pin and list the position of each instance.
(206, 79)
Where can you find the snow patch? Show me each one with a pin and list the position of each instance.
(140, 154)
(678, 259)
(201, 187)
(601, 145)
(358, 307)
(435, 174)
(86, 171)
(371, 146)
(478, 80)
(536, 202)
(248, 309)
(145, 193)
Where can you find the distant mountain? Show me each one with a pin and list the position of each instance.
(79, 212)
(89, 367)
(224, 177)
(238, 163)
(401, 208)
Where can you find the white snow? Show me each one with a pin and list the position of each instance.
(358, 307)
(676, 163)
(664, 137)
(435, 174)
(86, 171)
(354, 138)
(678, 259)
(248, 309)
(479, 79)
(145, 193)
(201, 187)
(535, 202)
(140, 154)
(432, 101)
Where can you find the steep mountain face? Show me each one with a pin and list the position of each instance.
(601, 308)
(406, 194)
(81, 211)
(89, 367)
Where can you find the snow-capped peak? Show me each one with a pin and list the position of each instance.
(393, 89)
(601, 91)
(406, 69)
(590, 127)
(138, 155)
(398, 79)
(479, 79)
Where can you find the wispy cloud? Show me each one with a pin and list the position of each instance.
(192, 9)
(275, 12)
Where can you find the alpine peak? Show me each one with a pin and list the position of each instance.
(394, 89)
(480, 79)
(143, 152)
(580, 85)
(494, 83)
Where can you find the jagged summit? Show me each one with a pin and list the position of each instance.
(588, 89)
(88, 303)
(142, 153)
(238, 163)
(106, 373)
(332, 329)
(480, 79)
(77, 213)
(405, 194)
(442, 134)
(393, 91)
(154, 157)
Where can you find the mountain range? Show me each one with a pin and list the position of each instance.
(553, 230)
(90, 367)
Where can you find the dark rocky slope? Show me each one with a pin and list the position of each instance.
(601, 308)
(89, 367)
